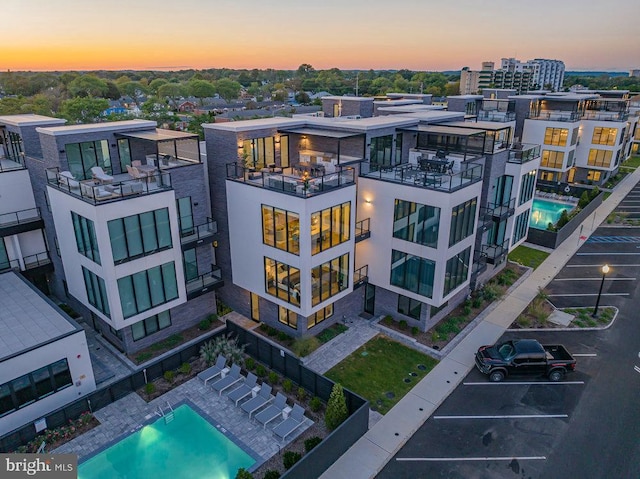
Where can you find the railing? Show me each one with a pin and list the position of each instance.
(30, 262)
(362, 229)
(361, 275)
(522, 153)
(304, 186)
(495, 115)
(95, 192)
(494, 252)
(555, 115)
(205, 281)
(10, 163)
(499, 210)
(199, 232)
(605, 115)
(20, 217)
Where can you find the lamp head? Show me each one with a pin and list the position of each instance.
(605, 269)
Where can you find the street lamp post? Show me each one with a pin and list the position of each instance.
(605, 270)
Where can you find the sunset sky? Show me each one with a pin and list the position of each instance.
(347, 34)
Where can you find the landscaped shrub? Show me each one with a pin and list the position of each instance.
(594, 192)
(388, 320)
(222, 308)
(311, 443)
(225, 345)
(315, 404)
(435, 337)
(290, 458)
(584, 199)
(185, 368)
(414, 331)
(563, 220)
(489, 292)
(304, 346)
(402, 324)
(271, 474)
(274, 378)
(282, 336)
(301, 393)
(250, 364)
(476, 302)
(169, 376)
(287, 385)
(204, 324)
(243, 474)
(142, 357)
(466, 310)
(336, 411)
(261, 371)
(149, 388)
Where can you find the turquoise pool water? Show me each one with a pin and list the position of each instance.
(188, 447)
(544, 212)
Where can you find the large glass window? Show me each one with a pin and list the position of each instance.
(284, 151)
(600, 158)
(416, 222)
(124, 152)
(36, 385)
(604, 136)
(13, 146)
(552, 159)
(320, 316)
(185, 216)
(96, 291)
(190, 264)
(147, 289)
(380, 150)
(457, 270)
(259, 152)
(409, 306)
(329, 279)
(412, 273)
(520, 227)
(281, 229)
(463, 218)
(527, 187)
(151, 325)
(556, 136)
(282, 281)
(288, 317)
(84, 156)
(86, 240)
(330, 227)
(139, 235)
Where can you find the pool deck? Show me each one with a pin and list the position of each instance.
(126, 415)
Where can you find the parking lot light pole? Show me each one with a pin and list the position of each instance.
(605, 270)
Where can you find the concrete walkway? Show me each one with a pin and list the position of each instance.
(369, 455)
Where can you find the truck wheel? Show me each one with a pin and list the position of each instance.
(496, 376)
(556, 375)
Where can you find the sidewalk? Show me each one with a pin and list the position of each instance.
(373, 450)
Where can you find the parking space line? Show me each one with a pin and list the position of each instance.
(589, 294)
(513, 416)
(593, 279)
(607, 254)
(500, 458)
(585, 355)
(520, 383)
(598, 266)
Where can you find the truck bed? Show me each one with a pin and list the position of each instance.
(557, 352)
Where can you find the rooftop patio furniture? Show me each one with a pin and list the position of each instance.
(293, 422)
(273, 411)
(99, 174)
(66, 178)
(262, 399)
(214, 371)
(244, 390)
(229, 380)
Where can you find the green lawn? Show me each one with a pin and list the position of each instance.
(632, 162)
(528, 256)
(377, 371)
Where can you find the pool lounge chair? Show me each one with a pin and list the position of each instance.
(214, 371)
(262, 399)
(244, 390)
(99, 174)
(273, 411)
(293, 422)
(229, 380)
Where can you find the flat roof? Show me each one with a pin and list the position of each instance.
(255, 124)
(27, 318)
(115, 126)
(350, 98)
(159, 134)
(362, 124)
(30, 120)
(447, 130)
(316, 131)
(411, 108)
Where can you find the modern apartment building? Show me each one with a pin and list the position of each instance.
(127, 221)
(534, 74)
(414, 207)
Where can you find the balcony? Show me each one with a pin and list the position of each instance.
(122, 187)
(499, 211)
(205, 283)
(522, 153)
(360, 276)
(495, 115)
(603, 115)
(363, 230)
(422, 177)
(296, 180)
(20, 221)
(495, 253)
(555, 115)
(11, 164)
(197, 234)
(28, 263)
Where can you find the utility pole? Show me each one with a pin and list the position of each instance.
(357, 79)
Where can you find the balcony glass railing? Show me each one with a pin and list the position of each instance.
(363, 229)
(495, 115)
(199, 232)
(29, 262)
(11, 163)
(205, 281)
(602, 115)
(523, 153)
(555, 115)
(20, 217)
(361, 275)
(495, 251)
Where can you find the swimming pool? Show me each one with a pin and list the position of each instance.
(544, 212)
(187, 447)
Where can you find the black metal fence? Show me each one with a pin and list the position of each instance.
(312, 464)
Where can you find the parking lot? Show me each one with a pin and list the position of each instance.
(586, 426)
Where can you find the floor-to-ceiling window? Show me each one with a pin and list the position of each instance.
(190, 264)
(124, 152)
(457, 270)
(463, 219)
(139, 235)
(259, 152)
(329, 279)
(416, 222)
(380, 151)
(330, 227)
(412, 273)
(96, 291)
(86, 240)
(281, 229)
(84, 156)
(147, 289)
(282, 281)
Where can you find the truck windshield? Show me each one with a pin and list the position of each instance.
(506, 350)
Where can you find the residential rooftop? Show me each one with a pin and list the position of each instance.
(30, 120)
(27, 319)
(125, 125)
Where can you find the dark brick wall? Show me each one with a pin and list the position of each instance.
(349, 107)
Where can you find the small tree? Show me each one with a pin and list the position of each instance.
(584, 199)
(336, 408)
(243, 474)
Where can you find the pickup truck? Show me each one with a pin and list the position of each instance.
(524, 357)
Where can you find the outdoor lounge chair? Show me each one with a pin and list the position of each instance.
(214, 371)
(229, 380)
(244, 390)
(99, 174)
(271, 412)
(66, 178)
(293, 422)
(262, 399)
